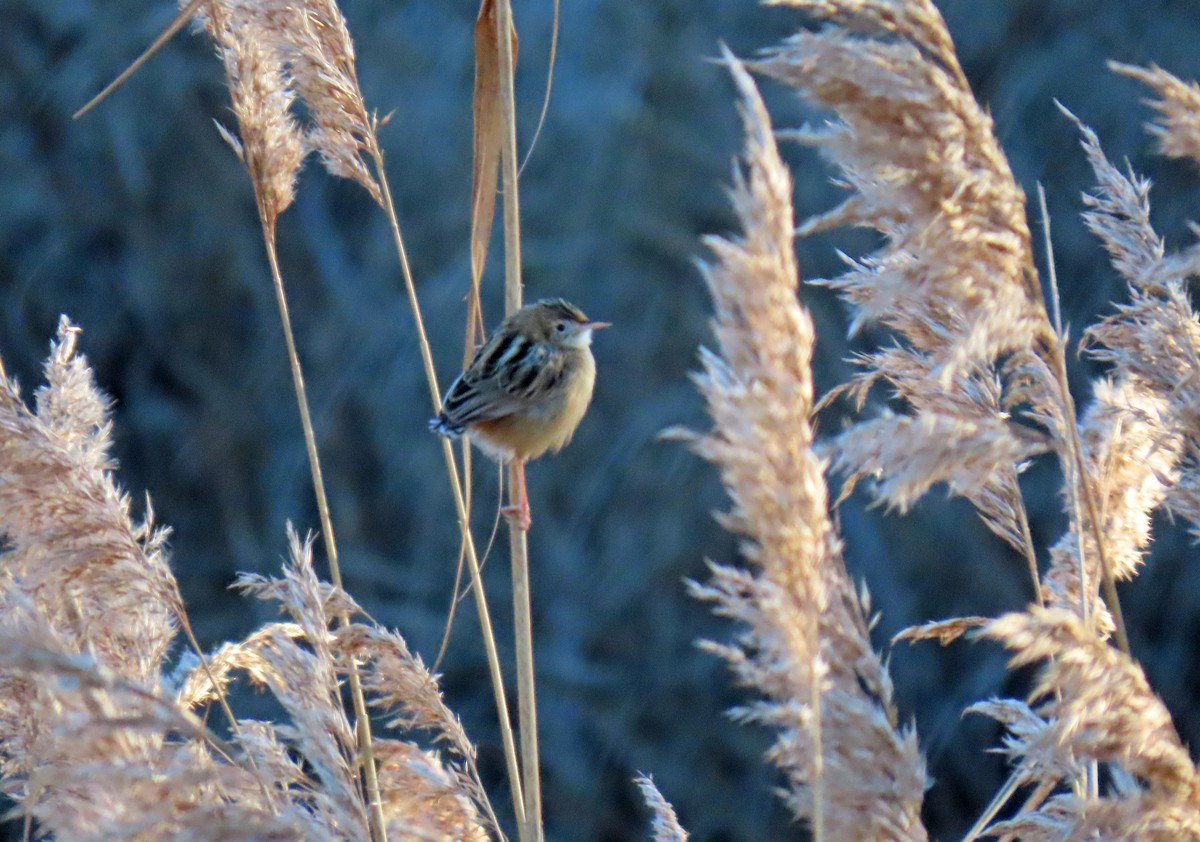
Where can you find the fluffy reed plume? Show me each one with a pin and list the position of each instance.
(1153, 341)
(1138, 434)
(398, 683)
(1138, 445)
(113, 759)
(955, 275)
(71, 545)
(1132, 456)
(301, 663)
(322, 58)
(276, 51)
(894, 450)
(804, 645)
(1093, 704)
(91, 748)
(954, 279)
(664, 826)
(1178, 108)
(299, 669)
(271, 147)
(422, 799)
(97, 743)
(955, 283)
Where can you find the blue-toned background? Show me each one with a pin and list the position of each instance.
(139, 223)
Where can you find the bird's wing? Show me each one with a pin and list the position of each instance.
(533, 376)
(509, 372)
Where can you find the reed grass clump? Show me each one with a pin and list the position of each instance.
(975, 389)
(104, 738)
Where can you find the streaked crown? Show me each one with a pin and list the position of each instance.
(537, 321)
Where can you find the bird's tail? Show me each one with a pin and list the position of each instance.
(443, 426)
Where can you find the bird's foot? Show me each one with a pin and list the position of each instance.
(518, 515)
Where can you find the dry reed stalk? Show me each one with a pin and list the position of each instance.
(187, 11)
(315, 44)
(851, 772)
(1093, 703)
(462, 509)
(955, 279)
(518, 543)
(272, 150)
(321, 55)
(308, 46)
(664, 826)
(1138, 441)
(1138, 435)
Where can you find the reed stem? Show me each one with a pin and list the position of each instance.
(362, 724)
(495, 673)
(531, 830)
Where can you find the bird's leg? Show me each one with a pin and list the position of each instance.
(518, 511)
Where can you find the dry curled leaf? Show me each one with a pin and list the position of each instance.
(944, 632)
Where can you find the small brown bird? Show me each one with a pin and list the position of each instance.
(526, 389)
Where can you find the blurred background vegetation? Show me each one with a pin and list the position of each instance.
(138, 222)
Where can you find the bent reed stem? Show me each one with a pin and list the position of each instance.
(362, 725)
(495, 673)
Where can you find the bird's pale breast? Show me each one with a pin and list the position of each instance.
(546, 425)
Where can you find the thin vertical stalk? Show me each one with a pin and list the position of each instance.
(1084, 489)
(460, 504)
(997, 803)
(1033, 802)
(526, 682)
(362, 725)
(1075, 474)
(1093, 513)
(1031, 555)
(531, 830)
(489, 639)
(816, 729)
(818, 774)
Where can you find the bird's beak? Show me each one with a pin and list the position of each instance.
(597, 325)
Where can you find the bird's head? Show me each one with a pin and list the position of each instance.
(560, 323)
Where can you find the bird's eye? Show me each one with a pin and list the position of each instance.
(560, 327)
